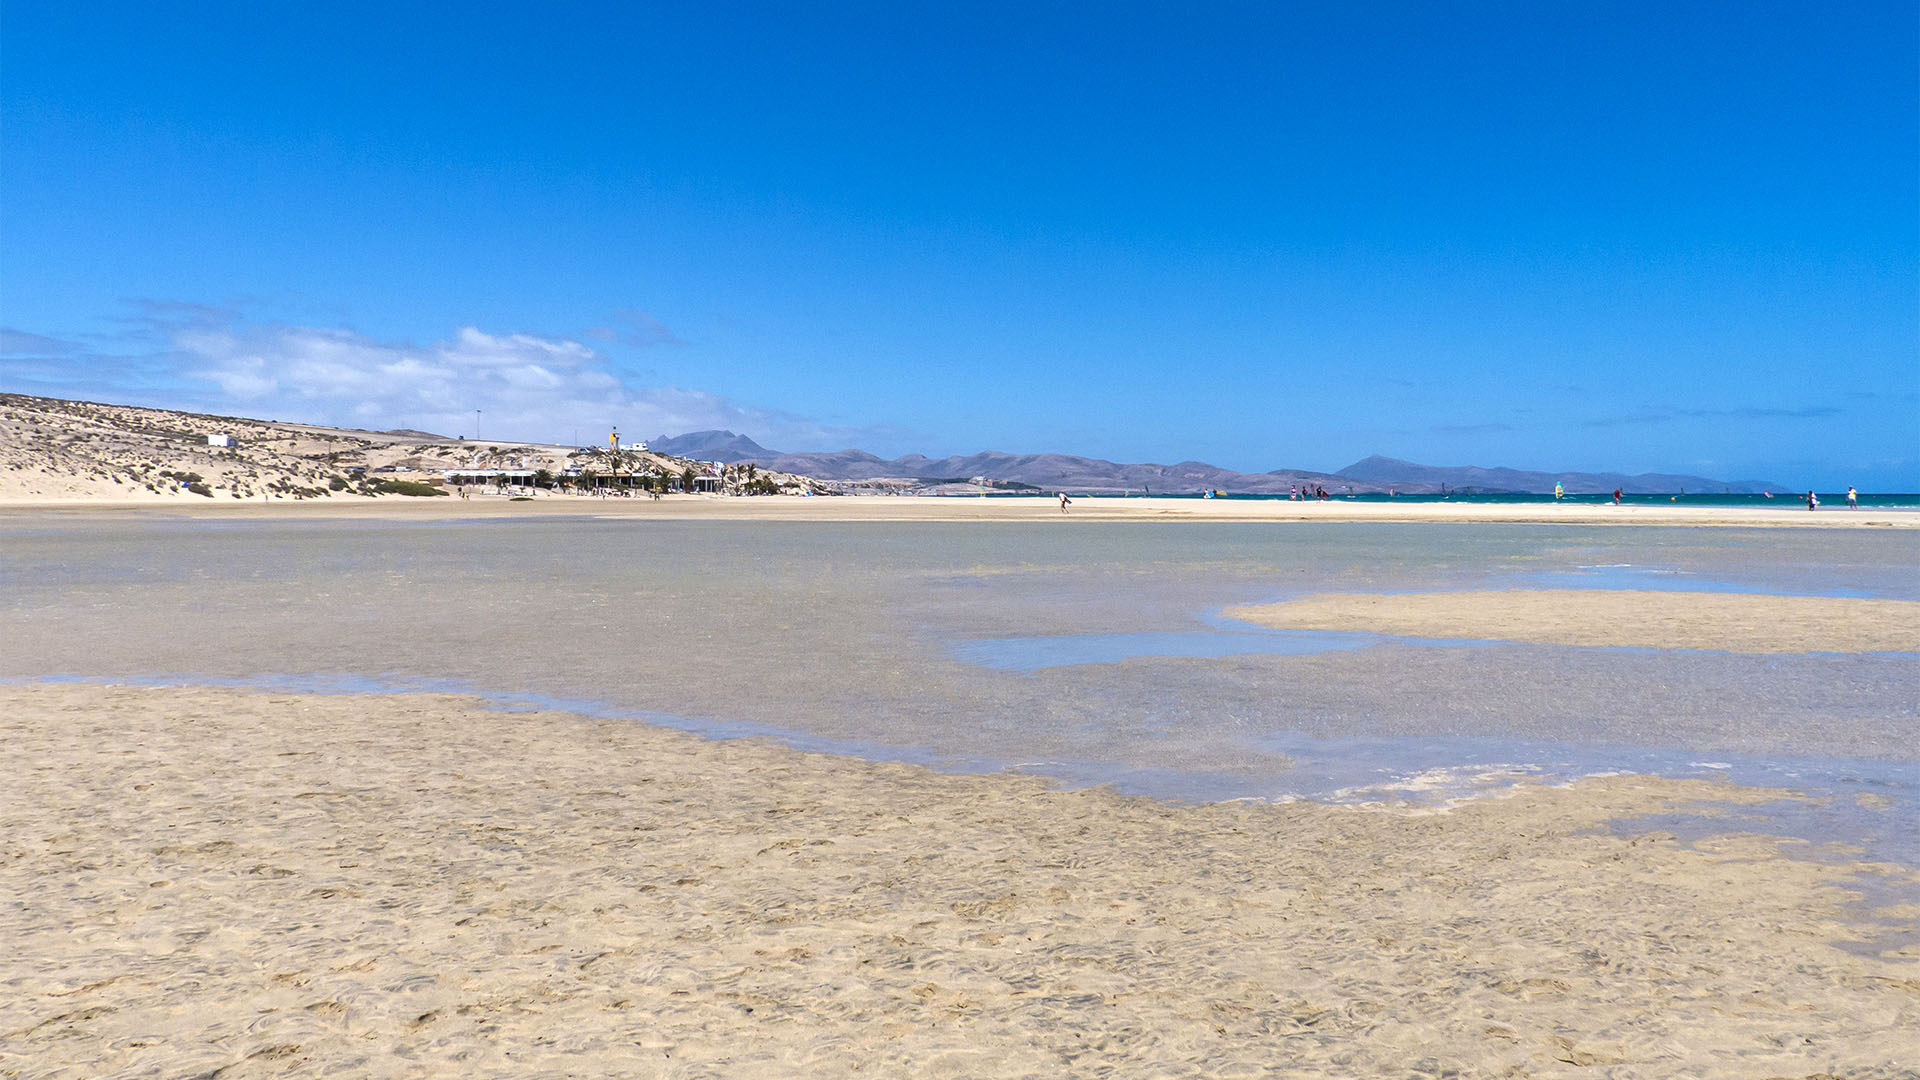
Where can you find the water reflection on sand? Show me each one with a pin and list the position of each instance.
(931, 641)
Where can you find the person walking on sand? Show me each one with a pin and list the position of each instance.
(1853, 498)
(1616, 496)
(1812, 500)
(1064, 502)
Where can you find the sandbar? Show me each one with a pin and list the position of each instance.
(1656, 619)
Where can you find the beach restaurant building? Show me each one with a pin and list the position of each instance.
(701, 483)
(504, 478)
(524, 479)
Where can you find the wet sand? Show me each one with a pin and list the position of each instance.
(1734, 622)
(220, 882)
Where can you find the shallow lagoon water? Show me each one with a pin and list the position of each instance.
(1663, 579)
(1869, 809)
(1092, 653)
(1030, 654)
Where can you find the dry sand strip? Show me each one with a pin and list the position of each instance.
(960, 509)
(1734, 622)
(216, 882)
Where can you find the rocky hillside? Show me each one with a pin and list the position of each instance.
(51, 449)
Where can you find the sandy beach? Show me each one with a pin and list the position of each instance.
(1221, 542)
(214, 881)
(930, 508)
(205, 881)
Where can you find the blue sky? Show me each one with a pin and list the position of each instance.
(1620, 237)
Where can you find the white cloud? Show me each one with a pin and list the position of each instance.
(523, 386)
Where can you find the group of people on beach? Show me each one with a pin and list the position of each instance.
(1853, 499)
(1295, 491)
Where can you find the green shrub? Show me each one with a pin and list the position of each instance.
(337, 483)
(406, 487)
(199, 488)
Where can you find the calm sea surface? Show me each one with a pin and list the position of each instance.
(1090, 652)
(1780, 500)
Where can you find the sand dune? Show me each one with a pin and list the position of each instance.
(218, 882)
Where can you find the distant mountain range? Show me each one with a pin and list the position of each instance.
(1069, 473)
(1408, 476)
